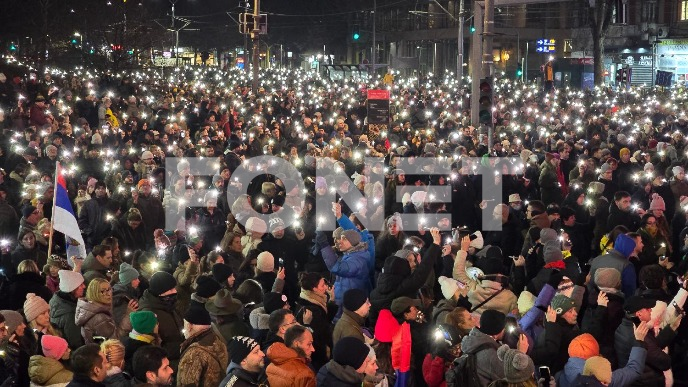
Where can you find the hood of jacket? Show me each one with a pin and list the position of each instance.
(85, 310)
(573, 368)
(475, 339)
(61, 304)
(361, 246)
(44, 371)
(149, 301)
(540, 221)
(279, 354)
(346, 374)
(259, 319)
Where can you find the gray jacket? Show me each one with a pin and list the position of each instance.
(490, 368)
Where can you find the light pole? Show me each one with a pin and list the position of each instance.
(459, 45)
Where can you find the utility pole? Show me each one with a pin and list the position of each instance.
(476, 55)
(459, 44)
(374, 51)
(176, 36)
(487, 65)
(255, 35)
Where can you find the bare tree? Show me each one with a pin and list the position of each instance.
(600, 16)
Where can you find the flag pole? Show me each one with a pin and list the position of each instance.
(52, 217)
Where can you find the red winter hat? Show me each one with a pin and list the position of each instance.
(386, 326)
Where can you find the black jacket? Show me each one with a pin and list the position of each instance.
(321, 326)
(23, 284)
(656, 361)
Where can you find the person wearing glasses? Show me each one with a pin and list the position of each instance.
(94, 313)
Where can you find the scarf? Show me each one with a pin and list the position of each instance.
(141, 337)
(315, 298)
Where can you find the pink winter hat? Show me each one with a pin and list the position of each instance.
(53, 347)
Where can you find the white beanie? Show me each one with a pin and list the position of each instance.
(478, 242)
(449, 286)
(418, 198)
(676, 170)
(265, 262)
(69, 280)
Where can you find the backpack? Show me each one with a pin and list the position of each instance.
(464, 372)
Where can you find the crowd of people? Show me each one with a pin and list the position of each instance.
(584, 285)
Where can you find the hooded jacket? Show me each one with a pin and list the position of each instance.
(203, 360)
(484, 348)
(171, 324)
(351, 270)
(92, 268)
(46, 371)
(617, 259)
(62, 311)
(287, 368)
(95, 319)
(620, 378)
(479, 291)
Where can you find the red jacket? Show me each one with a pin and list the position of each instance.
(434, 370)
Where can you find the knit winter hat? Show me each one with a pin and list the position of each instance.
(265, 262)
(161, 282)
(28, 210)
(69, 280)
(608, 277)
(604, 168)
(526, 301)
(221, 272)
(518, 367)
(478, 242)
(386, 326)
(624, 151)
(562, 304)
(34, 306)
(273, 301)
(197, 314)
(584, 346)
(449, 286)
(239, 347)
(354, 299)
(350, 351)
(143, 321)
(256, 224)
(552, 252)
(598, 367)
(127, 273)
(353, 236)
(492, 322)
(657, 203)
(53, 346)
(12, 320)
(624, 245)
(206, 286)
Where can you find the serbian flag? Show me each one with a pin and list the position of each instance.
(64, 220)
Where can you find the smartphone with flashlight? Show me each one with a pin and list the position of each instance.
(545, 374)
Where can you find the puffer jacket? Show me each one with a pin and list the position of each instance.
(171, 324)
(351, 270)
(204, 360)
(259, 324)
(62, 311)
(287, 368)
(95, 319)
(45, 371)
(620, 378)
(479, 291)
(334, 374)
(391, 285)
(484, 348)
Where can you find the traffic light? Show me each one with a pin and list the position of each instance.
(485, 101)
(519, 72)
(355, 35)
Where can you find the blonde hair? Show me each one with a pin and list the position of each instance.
(114, 353)
(93, 290)
(27, 265)
(49, 330)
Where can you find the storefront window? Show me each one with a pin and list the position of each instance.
(684, 10)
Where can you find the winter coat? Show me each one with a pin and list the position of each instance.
(232, 326)
(621, 218)
(204, 360)
(434, 370)
(186, 275)
(62, 312)
(351, 270)
(287, 368)
(386, 246)
(479, 291)
(84, 381)
(212, 226)
(238, 377)
(95, 319)
(390, 286)
(620, 378)
(484, 347)
(550, 189)
(152, 213)
(367, 237)
(46, 371)
(21, 253)
(616, 260)
(334, 374)
(23, 284)
(321, 326)
(129, 239)
(92, 268)
(121, 295)
(350, 324)
(119, 379)
(551, 347)
(656, 361)
(92, 222)
(171, 324)
(132, 345)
